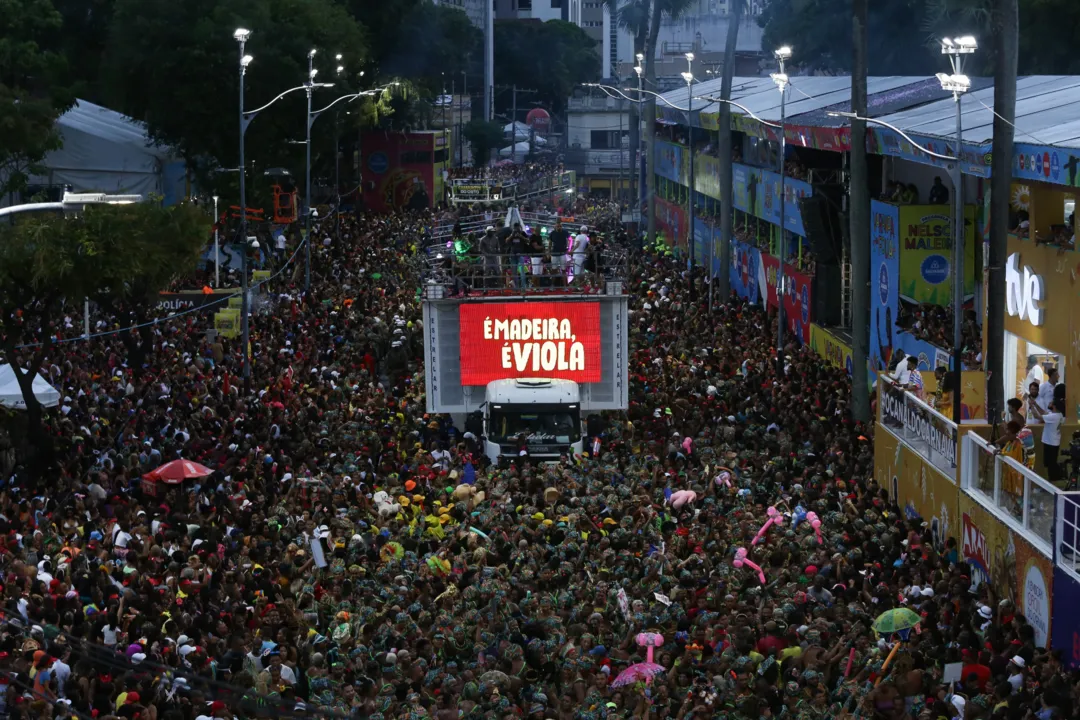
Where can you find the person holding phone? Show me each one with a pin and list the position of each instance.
(1051, 437)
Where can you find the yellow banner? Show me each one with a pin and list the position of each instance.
(835, 351)
(227, 322)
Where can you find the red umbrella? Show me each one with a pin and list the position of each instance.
(177, 471)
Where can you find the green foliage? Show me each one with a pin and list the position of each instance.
(483, 137)
(33, 92)
(175, 65)
(552, 57)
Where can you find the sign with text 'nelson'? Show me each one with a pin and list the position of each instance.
(530, 339)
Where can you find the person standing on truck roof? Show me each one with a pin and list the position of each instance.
(490, 247)
(560, 242)
(581, 248)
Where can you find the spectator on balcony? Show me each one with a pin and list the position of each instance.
(581, 248)
(1046, 390)
(1051, 438)
(560, 242)
(909, 194)
(939, 194)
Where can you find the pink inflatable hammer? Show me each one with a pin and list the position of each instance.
(775, 518)
(724, 478)
(741, 559)
(649, 640)
(682, 497)
(815, 522)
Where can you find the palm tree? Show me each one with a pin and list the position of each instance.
(726, 171)
(633, 16)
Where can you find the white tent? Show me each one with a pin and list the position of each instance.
(11, 395)
(519, 130)
(520, 150)
(106, 151)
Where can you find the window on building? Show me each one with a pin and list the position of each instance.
(524, 4)
(604, 139)
(556, 4)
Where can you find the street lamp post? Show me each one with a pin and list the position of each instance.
(217, 252)
(639, 191)
(958, 84)
(241, 35)
(337, 160)
(310, 84)
(688, 76)
(781, 80)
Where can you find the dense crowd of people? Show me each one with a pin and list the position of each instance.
(934, 324)
(353, 556)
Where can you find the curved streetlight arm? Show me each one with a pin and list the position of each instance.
(624, 96)
(252, 113)
(745, 109)
(901, 133)
(350, 98)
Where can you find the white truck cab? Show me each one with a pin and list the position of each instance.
(539, 415)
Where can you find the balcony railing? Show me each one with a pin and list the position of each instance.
(459, 270)
(928, 432)
(1012, 492)
(1067, 552)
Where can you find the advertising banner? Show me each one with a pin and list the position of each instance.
(926, 242)
(757, 191)
(745, 260)
(1046, 164)
(884, 283)
(470, 192)
(702, 242)
(671, 217)
(975, 158)
(925, 431)
(1066, 635)
(669, 161)
(920, 489)
(559, 340)
(1016, 570)
(835, 351)
(797, 299)
(174, 302)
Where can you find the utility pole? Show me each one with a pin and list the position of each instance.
(461, 140)
(1006, 45)
(489, 59)
(859, 193)
(513, 126)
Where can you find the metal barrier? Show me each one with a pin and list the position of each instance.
(1012, 492)
(459, 272)
(928, 432)
(1067, 532)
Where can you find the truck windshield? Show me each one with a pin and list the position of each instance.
(537, 427)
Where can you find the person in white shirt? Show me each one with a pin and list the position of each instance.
(1051, 437)
(902, 376)
(579, 250)
(1046, 390)
(62, 671)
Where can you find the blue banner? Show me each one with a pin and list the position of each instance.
(744, 276)
(884, 283)
(1046, 164)
(717, 241)
(1065, 629)
(702, 241)
(757, 192)
(669, 161)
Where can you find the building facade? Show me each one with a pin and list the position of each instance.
(597, 145)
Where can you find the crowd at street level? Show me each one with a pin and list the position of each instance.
(354, 557)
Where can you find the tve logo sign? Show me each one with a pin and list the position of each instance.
(1024, 291)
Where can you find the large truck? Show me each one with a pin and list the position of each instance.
(525, 371)
(540, 417)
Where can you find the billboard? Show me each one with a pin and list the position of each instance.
(920, 489)
(835, 351)
(884, 283)
(757, 192)
(745, 262)
(797, 298)
(1066, 635)
(926, 242)
(1013, 567)
(530, 339)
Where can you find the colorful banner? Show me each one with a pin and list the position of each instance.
(975, 159)
(926, 242)
(703, 234)
(671, 219)
(669, 161)
(920, 489)
(835, 351)
(797, 299)
(757, 191)
(530, 339)
(1066, 634)
(1046, 164)
(1016, 570)
(835, 139)
(884, 283)
(745, 261)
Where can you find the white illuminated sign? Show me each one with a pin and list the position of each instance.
(1024, 291)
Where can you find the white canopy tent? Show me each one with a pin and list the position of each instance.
(106, 151)
(11, 395)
